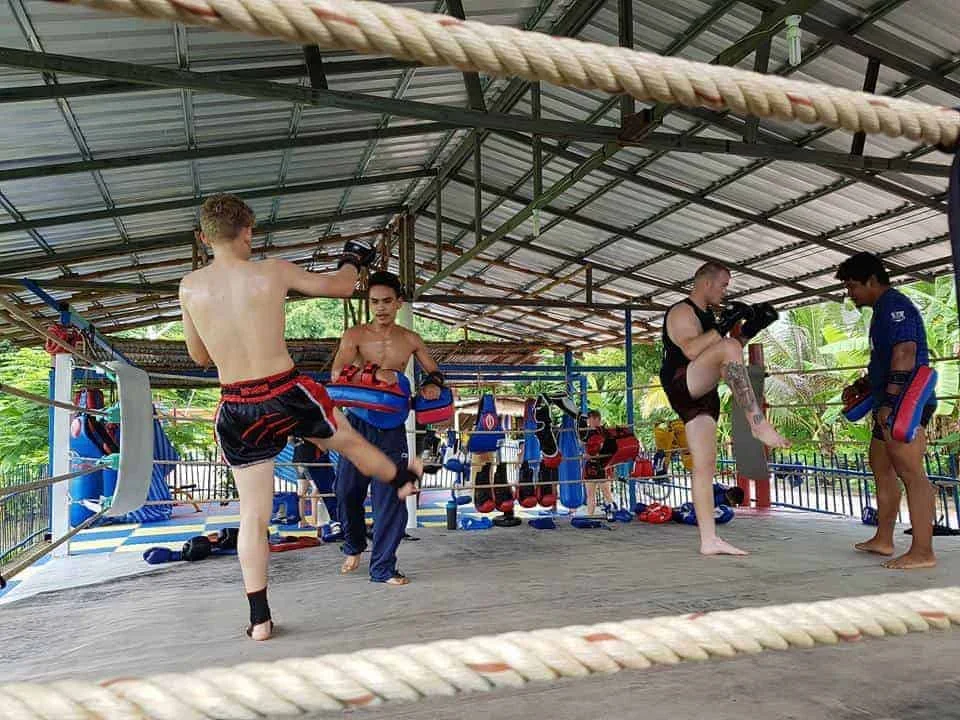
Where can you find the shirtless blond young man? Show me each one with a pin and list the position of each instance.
(389, 346)
(697, 354)
(233, 318)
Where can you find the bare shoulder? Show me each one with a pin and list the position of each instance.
(413, 338)
(192, 279)
(682, 313)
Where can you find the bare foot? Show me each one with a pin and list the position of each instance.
(873, 545)
(350, 563)
(912, 561)
(398, 579)
(263, 631)
(716, 546)
(765, 433)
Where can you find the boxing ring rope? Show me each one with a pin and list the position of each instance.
(444, 41)
(336, 683)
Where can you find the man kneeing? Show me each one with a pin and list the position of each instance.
(233, 317)
(697, 354)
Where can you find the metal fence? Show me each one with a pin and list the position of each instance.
(24, 516)
(833, 484)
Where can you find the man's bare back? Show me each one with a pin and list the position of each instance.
(233, 312)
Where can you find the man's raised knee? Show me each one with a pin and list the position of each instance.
(732, 350)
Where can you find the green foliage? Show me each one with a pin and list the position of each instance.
(825, 337)
(315, 318)
(23, 424)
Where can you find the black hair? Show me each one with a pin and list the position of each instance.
(593, 413)
(387, 279)
(861, 267)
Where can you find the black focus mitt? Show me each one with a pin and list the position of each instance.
(358, 252)
(761, 316)
(732, 314)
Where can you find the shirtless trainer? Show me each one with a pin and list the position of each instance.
(390, 347)
(233, 318)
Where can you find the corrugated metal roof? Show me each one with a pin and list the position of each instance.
(784, 224)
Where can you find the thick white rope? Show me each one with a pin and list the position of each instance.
(293, 687)
(441, 40)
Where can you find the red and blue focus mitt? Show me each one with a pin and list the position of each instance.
(908, 405)
(438, 410)
(857, 399)
(359, 388)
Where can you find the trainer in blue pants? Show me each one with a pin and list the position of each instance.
(389, 512)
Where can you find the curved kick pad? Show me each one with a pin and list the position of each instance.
(136, 439)
(392, 406)
(572, 491)
(905, 419)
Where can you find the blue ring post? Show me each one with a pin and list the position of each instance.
(628, 363)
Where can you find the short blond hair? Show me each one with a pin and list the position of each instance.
(223, 217)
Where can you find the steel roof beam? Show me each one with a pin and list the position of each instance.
(164, 242)
(262, 90)
(47, 169)
(93, 88)
(731, 56)
(625, 232)
(192, 201)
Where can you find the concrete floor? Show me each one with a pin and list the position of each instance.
(187, 616)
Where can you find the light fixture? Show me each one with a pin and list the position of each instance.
(793, 39)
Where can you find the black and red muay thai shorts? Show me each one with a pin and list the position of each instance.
(256, 418)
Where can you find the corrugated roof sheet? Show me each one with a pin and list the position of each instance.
(646, 236)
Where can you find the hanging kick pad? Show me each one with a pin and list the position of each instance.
(136, 439)
(502, 491)
(483, 498)
(546, 434)
(488, 431)
(750, 453)
(526, 490)
(570, 472)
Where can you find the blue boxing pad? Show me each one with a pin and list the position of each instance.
(722, 514)
(159, 555)
(585, 523)
(543, 523)
(488, 428)
(905, 418)
(572, 491)
(393, 407)
(857, 399)
(531, 443)
(434, 412)
(622, 515)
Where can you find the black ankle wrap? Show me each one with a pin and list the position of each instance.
(259, 608)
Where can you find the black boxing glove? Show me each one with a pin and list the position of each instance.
(731, 315)
(404, 475)
(435, 378)
(196, 548)
(358, 252)
(763, 315)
